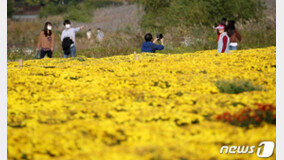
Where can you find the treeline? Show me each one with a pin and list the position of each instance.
(163, 14)
(81, 11)
(45, 2)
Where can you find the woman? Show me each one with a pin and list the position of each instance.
(234, 35)
(46, 41)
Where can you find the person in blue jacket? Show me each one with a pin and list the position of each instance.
(150, 46)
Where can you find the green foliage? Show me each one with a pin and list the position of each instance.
(81, 59)
(10, 9)
(77, 14)
(236, 86)
(52, 9)
(163, 14)
(35, 2)
(81, 11)
(93, 4)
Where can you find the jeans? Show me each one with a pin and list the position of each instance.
(43, 53)
(232, 48)
(72, 52)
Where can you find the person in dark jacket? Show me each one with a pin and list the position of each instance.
(66, 45)
(150, 46)
(234, 35)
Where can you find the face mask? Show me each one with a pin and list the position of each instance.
(67, 26)
(49, 27)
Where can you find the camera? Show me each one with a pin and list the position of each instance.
(160, 36)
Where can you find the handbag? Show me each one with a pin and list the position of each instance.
(37, 55)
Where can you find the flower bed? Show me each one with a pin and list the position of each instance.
(155, 106)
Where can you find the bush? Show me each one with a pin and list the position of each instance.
(52, 9)
(163, 14)
(10, 8)
(236, 86)
(79, 15)
(75, 10)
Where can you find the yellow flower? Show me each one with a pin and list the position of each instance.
(158, 107)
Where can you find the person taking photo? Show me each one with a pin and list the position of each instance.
(150, 46)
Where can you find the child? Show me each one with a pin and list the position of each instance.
(224, 40)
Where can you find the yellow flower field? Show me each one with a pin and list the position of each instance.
(145, 106)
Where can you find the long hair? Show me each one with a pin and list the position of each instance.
(45, 30)
(231, 28)
(223, 21)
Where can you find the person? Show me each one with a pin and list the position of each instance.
(150, 46)
(100, 34)
(234, 35)
(71, 33)
(224, 40)
(224, 23)
(46, 41)
(89, 34)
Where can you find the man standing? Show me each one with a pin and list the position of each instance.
(69, 32)
(224, 40)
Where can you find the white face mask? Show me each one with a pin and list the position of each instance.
(49, 28)
(67, 26)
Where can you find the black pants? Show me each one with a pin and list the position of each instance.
(43, 53)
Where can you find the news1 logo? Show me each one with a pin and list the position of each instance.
(265, 149)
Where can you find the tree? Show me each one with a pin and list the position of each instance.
(10, 8)
(161, 14)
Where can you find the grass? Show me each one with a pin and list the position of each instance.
(236, 86)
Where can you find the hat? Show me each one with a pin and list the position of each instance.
(220, 27)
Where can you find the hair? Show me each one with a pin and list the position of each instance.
(223, 21)
(148, 37)
(215, 24)
(67, 21)
(98, 28)
(231, 28)
(45, 30)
